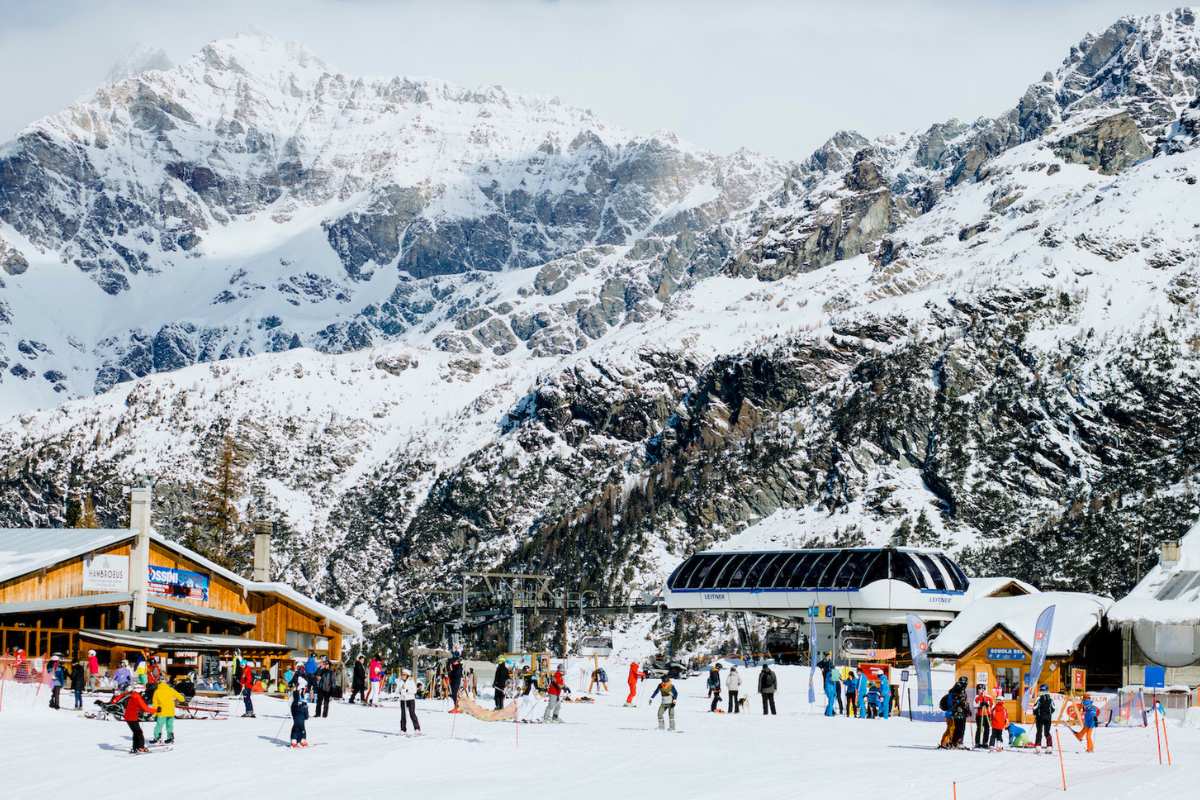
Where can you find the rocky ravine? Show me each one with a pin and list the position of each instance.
(982, 336)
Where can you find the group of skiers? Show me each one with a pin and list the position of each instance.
(767, 684)
(865, 698)
(990, 714)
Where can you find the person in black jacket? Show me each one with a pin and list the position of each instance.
(78, 679)
(299, 709)
(358, 683)
(766, 688)
(500, 683)
(323, 683)
(1043, 713)
(455, 668)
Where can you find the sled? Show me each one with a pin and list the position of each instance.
(203, 708)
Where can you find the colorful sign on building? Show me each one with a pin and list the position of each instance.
(1005, 654)
(177, 584)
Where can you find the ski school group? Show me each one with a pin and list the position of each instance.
(990, 716)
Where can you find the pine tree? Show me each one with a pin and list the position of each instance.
(901, 535)
(923, 534)
(87, 516)
(216, 530)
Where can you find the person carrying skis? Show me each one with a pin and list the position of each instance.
(407, 689)
(999, 723)
(248, 690)
(299, 709)
(635, 673)
(714, 686)
(885, 694)
(78, 673)
(983, 716)
(1091, 719)
(666, 706)
(554, 693)
(500, 682)
(358, 683)
(766, 688)
(455, 673)
(1043, 713)
(165, 698)
(135, 706)
(732, 684)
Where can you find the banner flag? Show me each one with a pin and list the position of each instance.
(918, 643)
(812, 656)
(1041, 643)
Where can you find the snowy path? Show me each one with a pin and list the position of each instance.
(604, 751)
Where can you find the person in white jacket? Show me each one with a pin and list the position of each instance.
(407, 690)
(732, 684)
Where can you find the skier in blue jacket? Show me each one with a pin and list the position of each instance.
(830, 693)
(885, 695)
(863, 689)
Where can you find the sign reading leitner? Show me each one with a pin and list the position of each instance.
(106, 574)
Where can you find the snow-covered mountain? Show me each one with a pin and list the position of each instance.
(568, 348)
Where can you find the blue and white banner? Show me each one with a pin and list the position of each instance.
(918, 643)
(1041, 643)
(180, 584)
(812, 656)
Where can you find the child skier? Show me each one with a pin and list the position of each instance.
(667, 704)
(873, 697)
(135, 706)
(1043, 712)
(999, 723)
(1017, 737)
(299, 709)
(165, 698)
(1091, 718)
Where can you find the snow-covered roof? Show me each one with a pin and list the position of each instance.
(1169, 594)
(986, 587)
(1075, 615)
(23, 550)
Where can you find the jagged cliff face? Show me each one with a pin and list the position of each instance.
(981, 336)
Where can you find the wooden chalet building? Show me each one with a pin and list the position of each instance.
(131, 590)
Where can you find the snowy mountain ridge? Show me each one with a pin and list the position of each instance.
(981, 336)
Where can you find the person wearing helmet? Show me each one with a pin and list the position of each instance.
(1043, 713)
(667, 705)
(554, 693)
(500, 682)
(299, 711)
(93, 670)
(407, 689)
(1091, 719)
(714, 686)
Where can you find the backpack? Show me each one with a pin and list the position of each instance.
(944, 703)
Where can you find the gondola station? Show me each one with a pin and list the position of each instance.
(128, 591)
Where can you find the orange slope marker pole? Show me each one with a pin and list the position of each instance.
(954, 790)
(1157, 735)
(1061, 766)
(1166, 741)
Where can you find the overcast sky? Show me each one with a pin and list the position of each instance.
(778, 77)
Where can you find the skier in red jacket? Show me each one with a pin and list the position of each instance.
(135, 706)
(554, 692)
(635, 674)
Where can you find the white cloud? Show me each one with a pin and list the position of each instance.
(778, 77)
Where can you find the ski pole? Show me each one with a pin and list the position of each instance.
(1061, 767)
(1157, 736)
(1166, 741)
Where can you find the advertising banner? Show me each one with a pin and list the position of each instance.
(177, 584)
(106, 574)
(1041, 643)
(918, 642)
(812, 654)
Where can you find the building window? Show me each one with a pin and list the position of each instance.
(1009, 681)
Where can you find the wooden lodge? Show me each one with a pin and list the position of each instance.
(124, 591)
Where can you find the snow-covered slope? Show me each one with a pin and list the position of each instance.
(980, 336)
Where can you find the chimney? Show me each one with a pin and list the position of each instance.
(262, 550)
(1169, 554)
(139, 555)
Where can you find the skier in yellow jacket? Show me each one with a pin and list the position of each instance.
(165, 698)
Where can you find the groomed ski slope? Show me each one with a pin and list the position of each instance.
(603, 751)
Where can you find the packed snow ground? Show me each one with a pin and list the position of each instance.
(602, 751)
